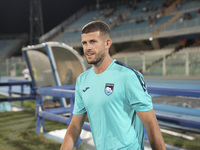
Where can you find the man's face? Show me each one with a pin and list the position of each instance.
(94, 47)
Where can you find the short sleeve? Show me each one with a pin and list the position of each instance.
(79, 107)
(136, 92)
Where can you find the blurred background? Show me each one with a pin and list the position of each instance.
(160, 38)
(156, 37)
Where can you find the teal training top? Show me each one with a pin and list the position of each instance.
(110, 100)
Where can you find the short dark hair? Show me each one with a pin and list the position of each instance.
(96, 26)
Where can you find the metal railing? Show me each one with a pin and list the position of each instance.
(12, 66)
(183, 63)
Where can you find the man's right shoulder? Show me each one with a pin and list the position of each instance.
(84, 74)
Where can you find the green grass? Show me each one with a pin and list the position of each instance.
(181, 142)
(27, 104)
(2, 96)
(17, 132)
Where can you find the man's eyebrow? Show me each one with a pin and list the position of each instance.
(93, 40)
(89, 40)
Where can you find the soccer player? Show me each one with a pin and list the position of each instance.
(115, 98)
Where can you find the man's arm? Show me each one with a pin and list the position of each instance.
(149, 120)
(73, 132)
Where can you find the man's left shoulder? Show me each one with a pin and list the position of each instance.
(127, 69)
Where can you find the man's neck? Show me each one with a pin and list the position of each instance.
(103, 66)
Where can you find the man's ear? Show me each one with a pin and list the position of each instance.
(108, 43)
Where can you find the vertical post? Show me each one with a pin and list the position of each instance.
(187, 63)
(7, 67)
(40, 120)
(125, 60)
(97, 5)
(143, 63)
(164, 66)
(9, 90)
(36, 21)
(22, 91)
(14, 70)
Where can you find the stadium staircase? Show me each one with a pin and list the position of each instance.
(167, 12)
(128, 31)
(171, 8)
(109, 11)
(157, 31)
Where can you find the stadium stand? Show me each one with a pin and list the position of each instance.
(138, 27)
(8, 46)
(128, 24)
(132, 21)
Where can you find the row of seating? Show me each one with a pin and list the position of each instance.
(6, 46)
(131, 26)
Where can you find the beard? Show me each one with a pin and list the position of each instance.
(99, 57)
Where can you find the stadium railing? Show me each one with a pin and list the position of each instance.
(183, 63)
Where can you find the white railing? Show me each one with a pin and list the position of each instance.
(183, 63)
(12, 66)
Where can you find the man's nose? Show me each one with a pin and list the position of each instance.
(88, 46)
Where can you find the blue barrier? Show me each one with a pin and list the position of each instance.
(23, 96)
(177, 110)
(53, 114)
(181, 117)
(174, 91)
(190, 122)
(167, 115)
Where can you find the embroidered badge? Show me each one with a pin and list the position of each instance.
(109, 88)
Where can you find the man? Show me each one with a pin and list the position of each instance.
(26, 74)
(114, 97)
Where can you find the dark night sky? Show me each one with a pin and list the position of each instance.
(14, 14)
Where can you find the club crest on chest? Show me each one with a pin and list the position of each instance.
(109, 87)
